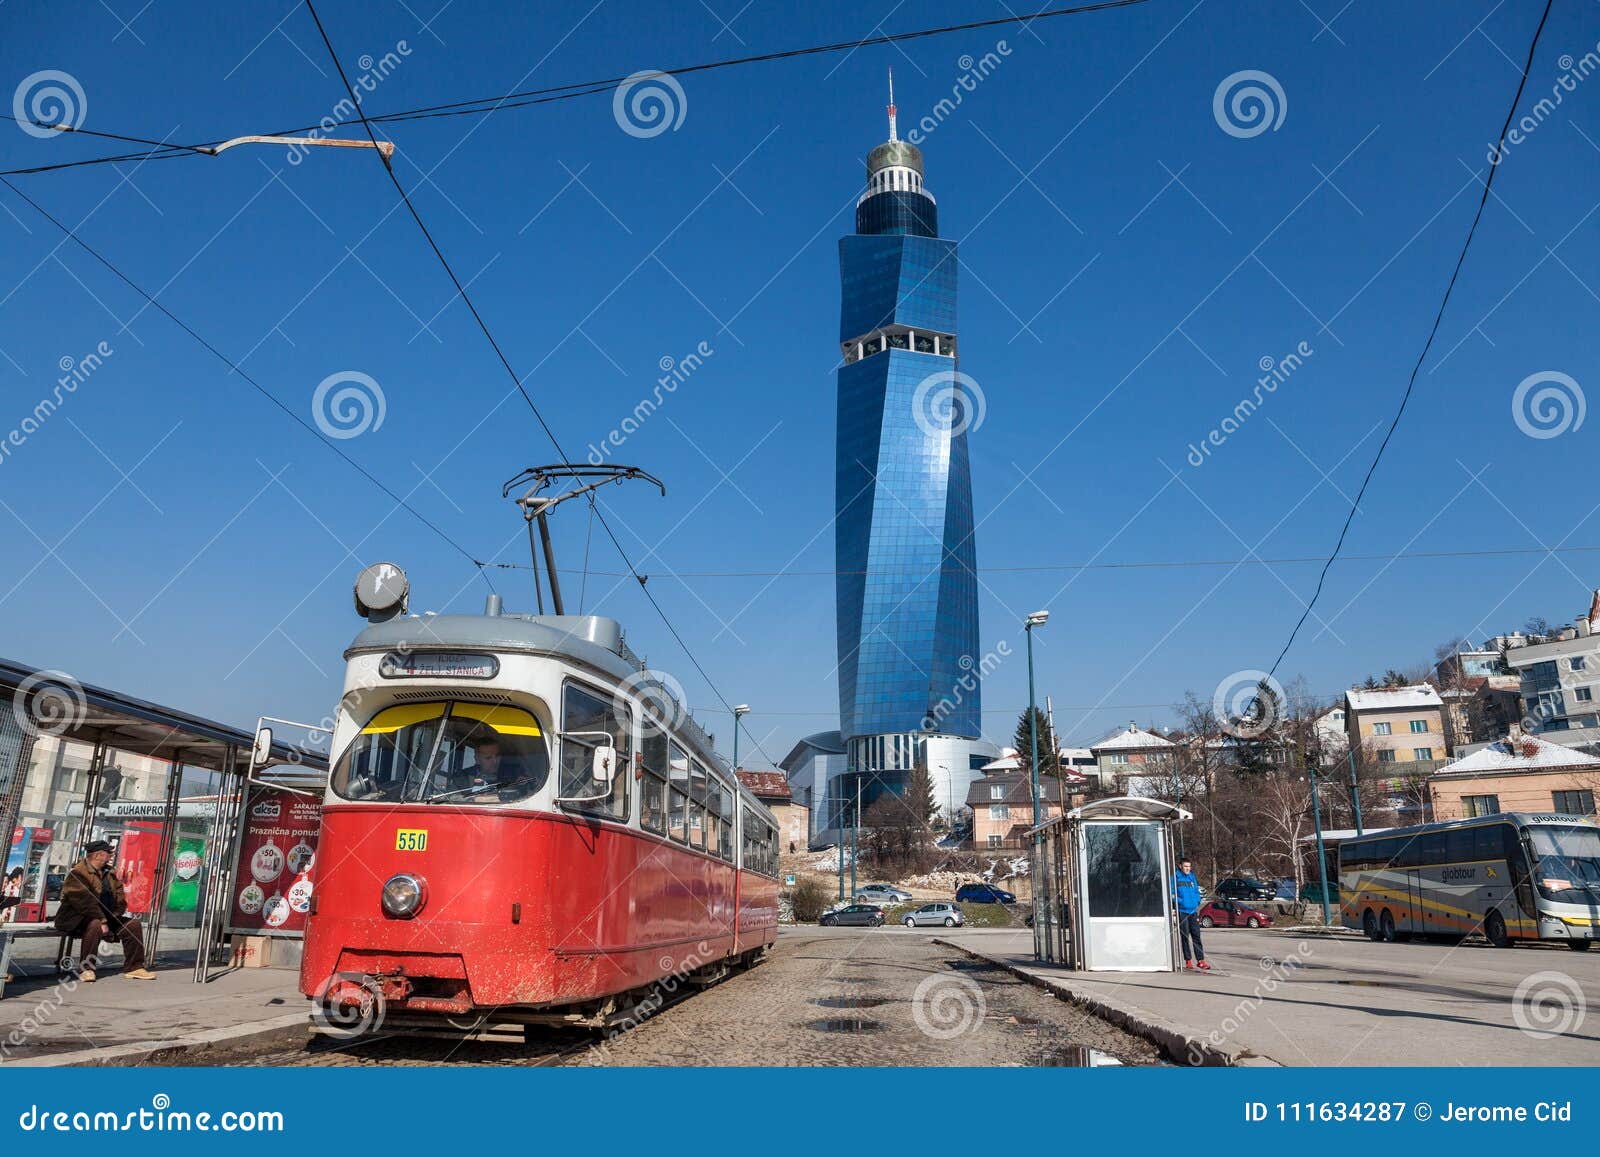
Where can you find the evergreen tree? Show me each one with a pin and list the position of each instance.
(920, 801)
(1049, 752)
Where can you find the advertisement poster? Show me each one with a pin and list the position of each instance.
(277, 850)
(188, 855)
(138, 851)
(25, 873)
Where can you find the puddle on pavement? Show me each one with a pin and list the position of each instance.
(1076, 1057)
(847, 1024)
(850, 1001)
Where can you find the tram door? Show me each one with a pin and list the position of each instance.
(1126, 903)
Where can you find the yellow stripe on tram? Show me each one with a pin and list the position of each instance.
(505, 720)
(392, 719)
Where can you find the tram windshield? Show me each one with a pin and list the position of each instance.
(444, 753)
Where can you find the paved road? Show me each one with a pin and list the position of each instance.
(1319, 1000)
(825, 996)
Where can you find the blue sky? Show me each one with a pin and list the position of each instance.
(1126, 266)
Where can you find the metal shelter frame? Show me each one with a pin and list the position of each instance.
(46, 702)
(1058, 923)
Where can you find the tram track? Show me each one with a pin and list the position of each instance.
(542, 1047)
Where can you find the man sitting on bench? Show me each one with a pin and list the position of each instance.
(94, 906)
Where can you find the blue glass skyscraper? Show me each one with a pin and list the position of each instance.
(906, 589)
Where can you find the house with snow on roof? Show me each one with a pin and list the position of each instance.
(1134, 761)
(1400, 726)
(1521, 773)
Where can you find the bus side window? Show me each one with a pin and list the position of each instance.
(1486, 842)
(1458, 846)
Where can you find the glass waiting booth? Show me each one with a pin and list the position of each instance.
(81, 763)
(1102, 883)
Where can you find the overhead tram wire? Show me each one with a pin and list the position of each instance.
(482, 106)
(257, 386)
(1433, 331)
(515, 378)
(1160, 564)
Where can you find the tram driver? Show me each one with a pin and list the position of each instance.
(490, 770)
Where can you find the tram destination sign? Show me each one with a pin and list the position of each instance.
(438, 664)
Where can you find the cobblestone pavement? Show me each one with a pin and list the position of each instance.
(823, 997)
(880, 996)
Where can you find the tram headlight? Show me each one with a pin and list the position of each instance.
(404, 895)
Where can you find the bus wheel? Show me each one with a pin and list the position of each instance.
(1369, 924)
(1494, 927)
(1386, 927)
(1579, 945)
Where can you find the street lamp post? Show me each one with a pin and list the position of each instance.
(1037, 619)
(739, 713)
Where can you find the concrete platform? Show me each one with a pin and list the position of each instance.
(1315, 999)
(48, 1021)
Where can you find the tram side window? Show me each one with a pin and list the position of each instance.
(697, 806)
(678, 793)
(585, 718)
(721, 818)
(653, 764)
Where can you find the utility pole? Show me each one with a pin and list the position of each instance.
(839, 851)
(1355, 791)
(855, 827)
(1322, 854)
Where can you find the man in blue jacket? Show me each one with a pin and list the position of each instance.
(1186, 890)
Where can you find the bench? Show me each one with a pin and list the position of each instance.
(11, 932)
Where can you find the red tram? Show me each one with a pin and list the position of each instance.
(522, 825)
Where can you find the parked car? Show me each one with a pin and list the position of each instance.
(940, 913)
(1244, 888)
(1232, 914)
(888, 893)
(1285, 889)
(1064, 918)
(984, 894)
(854, 915)
(1311, 892)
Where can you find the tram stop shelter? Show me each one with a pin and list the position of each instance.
(80, 763)
(1102, 886)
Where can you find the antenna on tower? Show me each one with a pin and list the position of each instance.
(893, 134)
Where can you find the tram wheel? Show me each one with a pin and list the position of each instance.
(1494, 927)
(1369, 924)
(1386, 927)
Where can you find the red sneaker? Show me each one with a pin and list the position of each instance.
(1188, 965)
(1204, 965)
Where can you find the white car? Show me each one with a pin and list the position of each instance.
(884, 894)
(939, 913)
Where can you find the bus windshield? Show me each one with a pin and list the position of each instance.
(1567, 855)
(444, 752)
